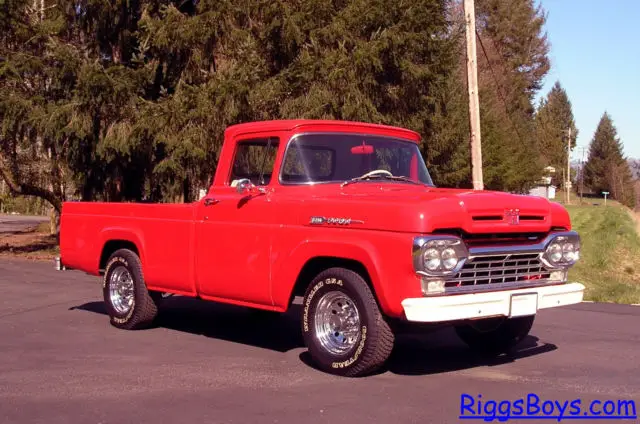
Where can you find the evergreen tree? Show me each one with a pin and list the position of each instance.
(36, 80)
(132, 97)
(128, 100)
(515, 27)
(512, 60)
(554, 120)
(606, 168)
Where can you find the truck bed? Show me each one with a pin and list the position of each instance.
(162, 233)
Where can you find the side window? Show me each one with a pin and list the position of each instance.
(254, 160)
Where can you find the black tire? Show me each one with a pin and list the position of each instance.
(144, 309)
(374, 342)
(494, 336)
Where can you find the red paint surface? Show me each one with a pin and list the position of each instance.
(249, 250)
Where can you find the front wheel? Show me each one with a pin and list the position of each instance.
(342, 325)
(495, 335)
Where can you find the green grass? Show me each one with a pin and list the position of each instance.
(609, 266)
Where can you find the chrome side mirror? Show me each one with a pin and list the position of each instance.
(244, 185)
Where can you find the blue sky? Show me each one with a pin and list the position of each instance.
(595, 54)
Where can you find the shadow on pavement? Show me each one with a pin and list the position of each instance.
(414, 353)
(441, 352)
(264, 329)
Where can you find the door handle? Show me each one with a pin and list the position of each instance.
(210, 201)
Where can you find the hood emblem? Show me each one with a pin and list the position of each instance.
(319, 220)
(512, 216)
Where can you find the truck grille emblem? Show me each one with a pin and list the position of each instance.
(512, 216)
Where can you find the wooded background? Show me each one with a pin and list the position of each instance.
(127, 100)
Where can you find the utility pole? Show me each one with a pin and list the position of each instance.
(583, 149)
(474, 104)
(568, 181)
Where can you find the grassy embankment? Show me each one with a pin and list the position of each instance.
(610, 256)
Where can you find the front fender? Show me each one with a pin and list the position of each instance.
(386, 257)
(559, 216)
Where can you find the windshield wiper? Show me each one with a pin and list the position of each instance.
(385, 174)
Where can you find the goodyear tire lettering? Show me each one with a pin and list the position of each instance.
(110, 264)
(333, 281)
(129, 314)
(307, 305)
(108, 268)
(357, 353)
(375, 341)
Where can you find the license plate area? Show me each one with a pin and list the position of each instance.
(523, 304)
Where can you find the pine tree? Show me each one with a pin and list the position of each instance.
(515, 27)
(35, 81)
(128, 100)
(554, 121)
(512, 60)
(138, 93)
(606, 168)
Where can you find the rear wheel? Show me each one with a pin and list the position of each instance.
(342, 325)
(495, 335)
(128, 302)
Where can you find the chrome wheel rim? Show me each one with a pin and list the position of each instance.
(121, 290)
(337, 322)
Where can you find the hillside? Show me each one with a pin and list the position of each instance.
(610, 254)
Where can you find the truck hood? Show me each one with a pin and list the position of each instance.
(420, 209)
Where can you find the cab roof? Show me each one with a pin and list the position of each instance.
(317, 124)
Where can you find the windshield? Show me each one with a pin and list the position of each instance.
(340, 157)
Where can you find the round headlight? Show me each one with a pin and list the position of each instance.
(438, 255)
(432, 259)
(449, 259)
(568, 252)
(555, 252)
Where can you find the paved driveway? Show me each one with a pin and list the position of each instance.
(61, 362)
(14, 223)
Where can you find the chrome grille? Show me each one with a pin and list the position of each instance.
(499, 270)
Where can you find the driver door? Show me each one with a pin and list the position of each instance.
(235, 230)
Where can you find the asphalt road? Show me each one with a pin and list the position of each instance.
(61, 362)
(14, 223)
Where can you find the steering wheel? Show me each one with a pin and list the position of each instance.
(376, 172)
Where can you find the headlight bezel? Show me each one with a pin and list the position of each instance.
(463, 252)
(441, 243)
(562, 240)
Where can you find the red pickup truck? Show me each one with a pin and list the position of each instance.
(345, 215)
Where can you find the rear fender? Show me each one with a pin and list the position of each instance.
(126, 234)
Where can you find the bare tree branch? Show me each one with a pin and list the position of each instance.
(19, 188)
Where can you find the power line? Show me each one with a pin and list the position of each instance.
(504, 101)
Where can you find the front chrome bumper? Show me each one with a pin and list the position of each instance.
(509, 303)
